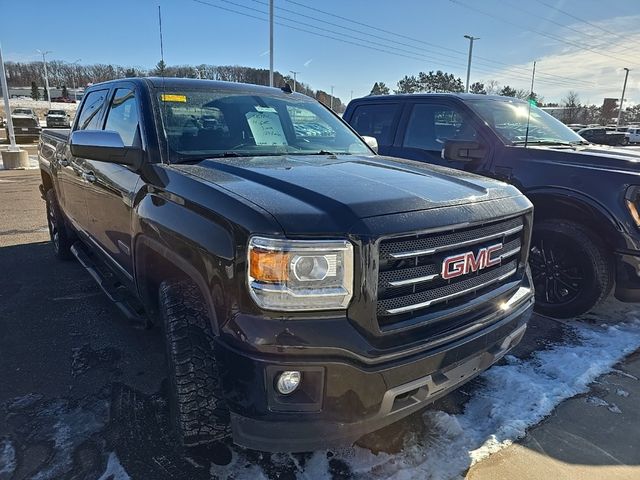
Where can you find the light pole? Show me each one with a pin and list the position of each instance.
(471, 40)
(294, 79)
(271, 43)
(331, 99)
(624, 87)
(5, 95)
(73, 79)
(46, 74)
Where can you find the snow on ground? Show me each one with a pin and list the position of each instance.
(33, 162)
(39, 104)
(114, 470)
(515, 396)
(7, 458)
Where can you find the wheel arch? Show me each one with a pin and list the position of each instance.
(570, 205)
(155, 263)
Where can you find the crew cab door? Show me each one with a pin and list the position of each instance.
(71, 171)
(112, 186)
(378, 120)
(427, 125)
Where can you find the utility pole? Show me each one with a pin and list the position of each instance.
(271, 43)
(471, 40)
(624, 87)
(46, 74)
(331, 99)
(294, 79)
(73, 78)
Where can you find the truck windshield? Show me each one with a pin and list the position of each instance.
(508, 118)
(217, 123)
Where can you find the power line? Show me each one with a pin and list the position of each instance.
(479, 59)
(568, 14)
(538, 32)
(562, 25)
(413, 56)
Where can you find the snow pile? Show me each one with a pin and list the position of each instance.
(515, 397)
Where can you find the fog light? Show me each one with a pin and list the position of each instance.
(288, 382)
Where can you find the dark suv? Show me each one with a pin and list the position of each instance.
(586, 197)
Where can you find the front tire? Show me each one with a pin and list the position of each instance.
(197, 407)
(58, 231)
(572, 270)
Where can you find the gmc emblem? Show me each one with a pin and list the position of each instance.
(467, 262)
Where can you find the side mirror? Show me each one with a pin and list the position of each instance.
(104, 146)
(463, 151)
(372, 142)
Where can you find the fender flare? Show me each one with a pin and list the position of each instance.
(181, 264)
(579, 200)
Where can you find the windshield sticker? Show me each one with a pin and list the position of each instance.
(172, 97)
(265, 109)
(266, 128)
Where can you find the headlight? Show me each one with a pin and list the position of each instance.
(299, 275)
(631, 198)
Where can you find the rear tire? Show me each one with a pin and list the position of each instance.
(572, 270)
(197, 407)
(60, 237)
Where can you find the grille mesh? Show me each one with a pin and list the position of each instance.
(393, 270)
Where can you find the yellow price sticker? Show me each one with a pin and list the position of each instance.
(172, 97)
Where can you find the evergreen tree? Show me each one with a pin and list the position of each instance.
(478, 87)
(160, 69)
(65, 92)
(45, 94)
(379, 88)
(35, 91)
(507, 91)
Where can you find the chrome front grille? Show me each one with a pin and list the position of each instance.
(410, 281)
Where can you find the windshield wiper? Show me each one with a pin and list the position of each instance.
(544, 142)
(320, 152)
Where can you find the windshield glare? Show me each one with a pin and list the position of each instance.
(508, 118)
(201, 123)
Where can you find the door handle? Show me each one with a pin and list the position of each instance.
(89, 177)
(64, 162)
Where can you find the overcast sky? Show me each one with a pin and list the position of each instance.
(579, 45)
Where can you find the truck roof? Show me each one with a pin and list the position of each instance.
(173, 83)
(407, 96)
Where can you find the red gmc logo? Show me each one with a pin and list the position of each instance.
(464, 263)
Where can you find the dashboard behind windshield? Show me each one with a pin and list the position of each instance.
(508, 119)
(201, 123)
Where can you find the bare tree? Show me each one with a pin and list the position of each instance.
(492, 87)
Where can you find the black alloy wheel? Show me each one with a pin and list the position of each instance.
(570, 267)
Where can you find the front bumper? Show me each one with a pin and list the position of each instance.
(628, 276)
(348, 400)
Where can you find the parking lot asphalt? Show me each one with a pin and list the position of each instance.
(83, 393)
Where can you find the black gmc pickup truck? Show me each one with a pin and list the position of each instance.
(309, 290)
(586, 237)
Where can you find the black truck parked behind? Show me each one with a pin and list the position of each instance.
(309, 290)
(586, 235)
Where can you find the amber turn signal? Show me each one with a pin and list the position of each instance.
(269, 266)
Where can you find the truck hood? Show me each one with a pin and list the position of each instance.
(331, 193)
(592, 156)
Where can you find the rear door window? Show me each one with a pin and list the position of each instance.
(376, 120)
(91, 113)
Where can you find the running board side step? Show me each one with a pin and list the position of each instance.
(113, 289)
